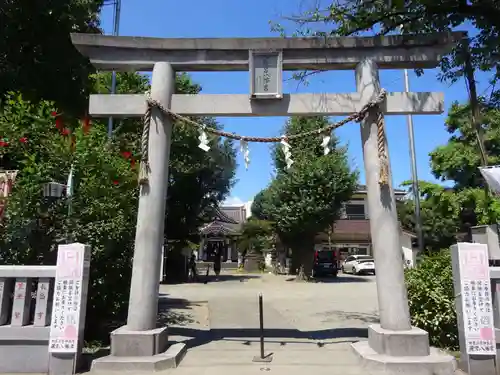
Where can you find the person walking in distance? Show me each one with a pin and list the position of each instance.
(217, 262)
(193, 274)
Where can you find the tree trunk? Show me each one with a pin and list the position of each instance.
(176, 266)
(302, 260)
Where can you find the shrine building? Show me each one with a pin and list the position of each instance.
(221, 234)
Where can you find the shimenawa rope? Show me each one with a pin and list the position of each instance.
(144, 166)
(383, 178)
(151, 103)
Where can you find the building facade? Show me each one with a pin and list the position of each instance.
(350, 234)
(220, 235)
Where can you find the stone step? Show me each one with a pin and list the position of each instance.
(262, 368)
(282, 357)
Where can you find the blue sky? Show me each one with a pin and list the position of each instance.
(231, 18)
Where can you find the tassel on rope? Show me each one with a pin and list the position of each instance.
(325, 143)
(286, 151)
(203, 138)
(383, 178)
(144, 166)
(246, 152)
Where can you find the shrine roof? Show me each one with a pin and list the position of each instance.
(221, 228)
(227, 220)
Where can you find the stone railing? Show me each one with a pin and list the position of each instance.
(27, 295)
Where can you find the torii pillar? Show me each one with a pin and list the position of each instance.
(393, 346)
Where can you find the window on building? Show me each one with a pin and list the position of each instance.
(355, 211)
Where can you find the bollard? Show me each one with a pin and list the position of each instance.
(262, 357)
(261, 320)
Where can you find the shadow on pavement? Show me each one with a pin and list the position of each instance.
(171, 311)
(344, 279)
(211, 278)
(226, 277)
(340, 279)
(203, 337)
(347, 315)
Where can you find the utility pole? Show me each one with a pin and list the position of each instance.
(413, 163)
(116, 30)
(414, 174)
(474, 103)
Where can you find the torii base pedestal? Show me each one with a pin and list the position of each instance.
(402, 352)
(133, 351)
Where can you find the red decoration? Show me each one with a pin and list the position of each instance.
(23, 139)
(53, 114)
(126, 154)
(65, 131)
(86, 125)
(115, 182)
(4, 144)
(59, 123)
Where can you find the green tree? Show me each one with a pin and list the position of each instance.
(459, 159)
(256, 235)
(42, 147)
(257, 207)
(440, 211)
(37, 57)
(448, 212)
(306, 199)
(199, 180)
(352, 17)
(431, 299)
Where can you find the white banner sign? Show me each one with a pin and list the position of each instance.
(67, 302)
(477, 304)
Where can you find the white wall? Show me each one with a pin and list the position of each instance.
(248, 209)
(363, 202)
(409, 254)
(268, 260)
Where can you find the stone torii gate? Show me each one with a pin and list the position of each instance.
(393, 344)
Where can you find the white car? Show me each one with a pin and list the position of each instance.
(358, 264)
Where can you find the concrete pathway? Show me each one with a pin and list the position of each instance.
(307, 326)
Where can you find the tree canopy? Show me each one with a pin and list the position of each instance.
(459, 159)
(449, 211)
(352, 17)
(42, 143)
(446, 211)
(37, 57)
(256, 235)
(305, 199)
